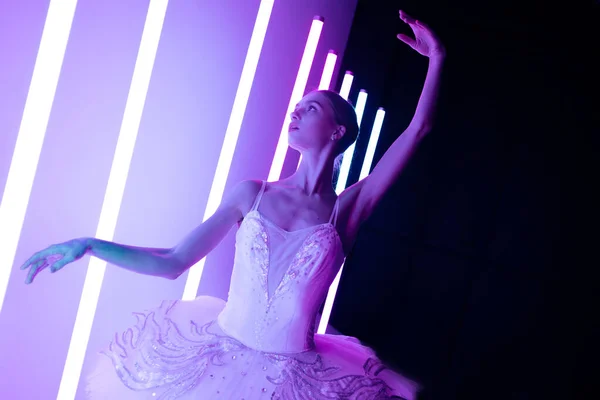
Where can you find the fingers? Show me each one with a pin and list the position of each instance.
(31, 260)
(415, 25)
(38, 256)
(406, 39)
(422, 24)
(412, 22)
(35, 269)
(406, 18)
(59, 264)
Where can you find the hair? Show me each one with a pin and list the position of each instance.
(345, 115)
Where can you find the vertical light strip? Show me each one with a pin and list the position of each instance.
(328, 69)
(299, 87)
(346, 84)
(349, 153)
(361, 101)
(31, 134)
(232, 132)
(113, 196)
(342, 180)
(373, 139)
(326, 77)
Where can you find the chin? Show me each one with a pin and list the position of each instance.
(298, 149)
(292, 142)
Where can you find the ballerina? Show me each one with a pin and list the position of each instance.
(292, 238)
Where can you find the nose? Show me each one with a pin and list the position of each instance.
(294, 115)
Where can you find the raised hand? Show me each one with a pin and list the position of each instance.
(425, 42)
(55, 257)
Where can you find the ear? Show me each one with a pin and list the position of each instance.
(340, 131)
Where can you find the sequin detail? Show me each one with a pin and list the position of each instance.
(301, 379)
(259, 251)
(316, 252)
(312, 247)
(156, 355)
(309, 250)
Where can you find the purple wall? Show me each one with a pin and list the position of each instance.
(197, 69)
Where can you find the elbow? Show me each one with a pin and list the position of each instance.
(173, 274)
(170, 274)
(424, 129)
(173, 268)
(420, 130)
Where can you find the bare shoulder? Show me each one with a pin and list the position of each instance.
(242, 195)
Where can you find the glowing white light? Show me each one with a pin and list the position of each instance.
(232, 132)
(373, 139)
(329, 303)
(326, 77)
(346, 85)
(32, 130)
(342, 180)
(361, 102)
(297, 93)
(328, 69)
(113, 196)
(339, 188)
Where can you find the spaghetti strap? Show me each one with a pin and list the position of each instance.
(334, 213)
(259, 196)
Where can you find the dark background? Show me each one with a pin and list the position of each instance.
(474, 275)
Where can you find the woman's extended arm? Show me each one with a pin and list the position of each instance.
(162, 262)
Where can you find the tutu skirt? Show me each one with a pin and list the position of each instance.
(179, 351)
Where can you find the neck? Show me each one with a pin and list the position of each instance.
(313, 176)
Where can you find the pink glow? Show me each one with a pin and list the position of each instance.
(299, 87)
(328, 70)
(232, 133)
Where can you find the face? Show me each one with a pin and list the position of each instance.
(312, 123)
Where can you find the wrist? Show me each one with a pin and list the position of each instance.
(88, 243)
(437, 58)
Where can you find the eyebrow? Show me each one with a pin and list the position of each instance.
(311, 101)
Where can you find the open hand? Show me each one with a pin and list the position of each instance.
(55, 257)
(425, 42)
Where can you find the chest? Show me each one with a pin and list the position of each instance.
(290, 214)
(278, 257)
(294, 214)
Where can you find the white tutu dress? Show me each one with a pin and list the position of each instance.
(260, 344)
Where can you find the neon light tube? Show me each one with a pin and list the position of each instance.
(340, 186)
(373, 139)
(30, 138)
(328, 69)
(232, 133)
(346, 84)
(326, 77)
(113, 196)
(297, 93)
(342, 180)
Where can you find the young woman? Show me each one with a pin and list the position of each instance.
(292, 239)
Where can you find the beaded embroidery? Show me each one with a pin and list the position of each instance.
(159, 357)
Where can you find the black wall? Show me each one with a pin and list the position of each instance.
(466, 277)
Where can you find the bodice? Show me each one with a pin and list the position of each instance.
(278, 283)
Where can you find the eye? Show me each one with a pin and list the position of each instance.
(312, 108)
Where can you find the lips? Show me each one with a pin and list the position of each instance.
(293, 127)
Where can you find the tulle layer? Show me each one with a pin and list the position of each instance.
(179, 351)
